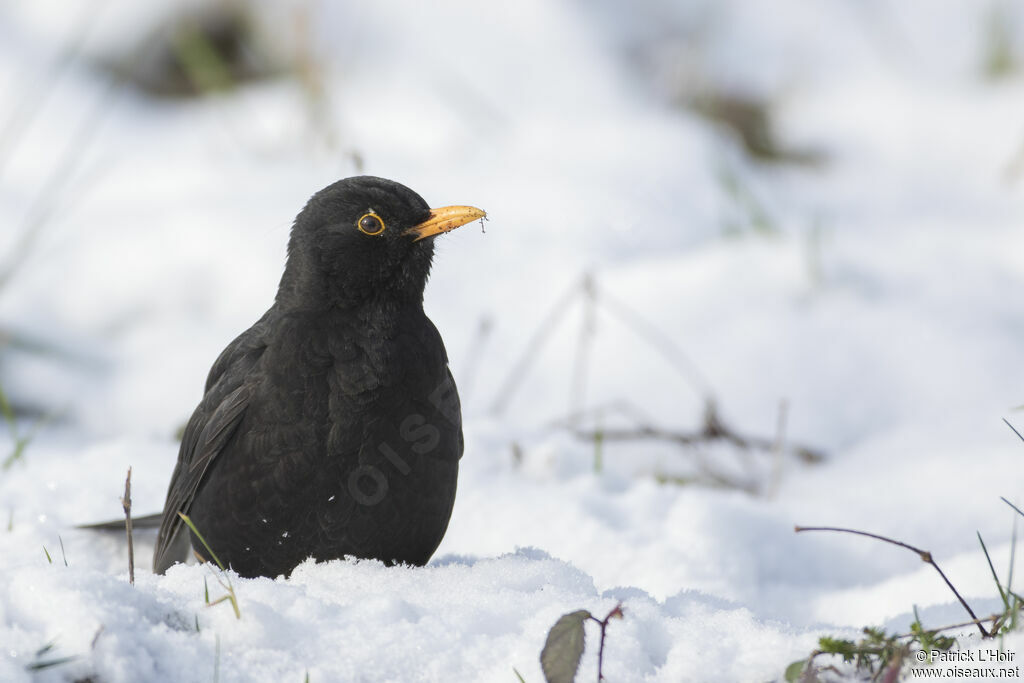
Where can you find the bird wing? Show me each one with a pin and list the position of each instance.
(209, 431)
(444, 398)
(453, 412)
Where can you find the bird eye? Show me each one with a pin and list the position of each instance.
(370, 224)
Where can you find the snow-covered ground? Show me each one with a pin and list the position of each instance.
(876, 291)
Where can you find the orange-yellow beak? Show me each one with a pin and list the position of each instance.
(444, 220)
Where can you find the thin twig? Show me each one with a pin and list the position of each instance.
(923, 554)
(599, 413)
(1019, 436)
(713, 430)
(660, 341)
(578, 387)
(1019, 511)
(647, 332)
(970, 622)
(469, 369)
(29, 105)
(616, 613)
(46, 200)
(546, 328)
(126, 503)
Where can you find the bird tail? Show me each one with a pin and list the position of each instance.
(144, 522)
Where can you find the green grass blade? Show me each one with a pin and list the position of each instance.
(8, 412)
(995, 577)
(190, 525)
(49, 664)
(19, 451)
(1013, 556)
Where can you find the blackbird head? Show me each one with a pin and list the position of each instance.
(361, 240)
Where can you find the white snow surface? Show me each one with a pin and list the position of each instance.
(882, 303)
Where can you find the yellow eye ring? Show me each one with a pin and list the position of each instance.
(370, 224)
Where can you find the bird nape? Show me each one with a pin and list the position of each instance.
(332, 426)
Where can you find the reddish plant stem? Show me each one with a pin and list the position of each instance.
(616, 613)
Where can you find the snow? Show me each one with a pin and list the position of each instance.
(880, 303)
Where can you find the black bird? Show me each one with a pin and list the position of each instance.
(332, 426)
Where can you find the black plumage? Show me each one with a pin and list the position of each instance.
(332, 426)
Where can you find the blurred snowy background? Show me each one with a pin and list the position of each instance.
(810, 212)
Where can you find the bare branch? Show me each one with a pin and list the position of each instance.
(923, 554)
